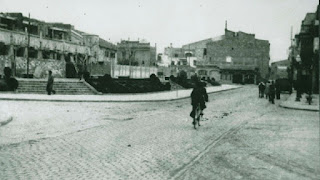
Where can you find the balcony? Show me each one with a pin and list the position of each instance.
(19, 38)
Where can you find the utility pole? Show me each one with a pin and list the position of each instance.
(28, 30)
(292, 64)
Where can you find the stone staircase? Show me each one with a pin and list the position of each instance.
(61, 86)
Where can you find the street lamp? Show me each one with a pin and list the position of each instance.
(298, 66)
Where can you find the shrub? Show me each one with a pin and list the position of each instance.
(215, 83)
(86, 76)
(9, 83)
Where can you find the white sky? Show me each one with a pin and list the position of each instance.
(173, 21)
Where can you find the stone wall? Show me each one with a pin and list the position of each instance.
(100, 69)
(40, 68)
(135, 72)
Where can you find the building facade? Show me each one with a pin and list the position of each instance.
(240, 57)
(180, 59)
(135, 53)
(305, 58)
(280, 70)
(235, 57)
(30, 46)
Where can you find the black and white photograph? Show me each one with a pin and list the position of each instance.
(159, 89)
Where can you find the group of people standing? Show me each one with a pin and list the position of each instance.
(271, 89)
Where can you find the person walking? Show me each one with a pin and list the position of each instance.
(272, 92)
(50, 83)
(261, 87)
(266, 90)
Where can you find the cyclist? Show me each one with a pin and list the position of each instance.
(198, 96)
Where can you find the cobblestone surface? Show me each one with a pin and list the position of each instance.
(48, 140)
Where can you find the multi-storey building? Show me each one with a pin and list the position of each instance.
(136, 53)
(305, 65)
(236, 57)
(33, 47)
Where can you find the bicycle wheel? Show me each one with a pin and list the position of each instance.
(196, 119)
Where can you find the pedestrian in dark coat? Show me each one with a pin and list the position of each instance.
(278, 88)
(272, 92)
(261, 89)
(50, 84)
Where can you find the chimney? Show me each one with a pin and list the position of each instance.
(226, 25)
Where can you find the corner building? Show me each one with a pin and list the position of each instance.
(235, 57)
(51, 46)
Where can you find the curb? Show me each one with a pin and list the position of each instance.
(92, 88)
(119, 101)
(296, 108)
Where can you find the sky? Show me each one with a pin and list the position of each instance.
(179, 22)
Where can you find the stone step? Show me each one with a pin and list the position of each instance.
(55, 90)
(55, 85)
(62, 87)
(61, 93)
(25, 83)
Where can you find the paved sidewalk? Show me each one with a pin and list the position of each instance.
(291, 103)
(141, 97)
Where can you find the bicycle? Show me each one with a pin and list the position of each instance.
(197, 116)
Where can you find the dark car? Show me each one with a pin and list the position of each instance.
(285, 85)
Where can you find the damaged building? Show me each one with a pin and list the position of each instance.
(30, 46)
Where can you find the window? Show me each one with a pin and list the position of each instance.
(228, 59)
(176, 55)
(205, 51)
(46, 54)
(20, 52)
(4, 49)
(32, 53)
(184, 62)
